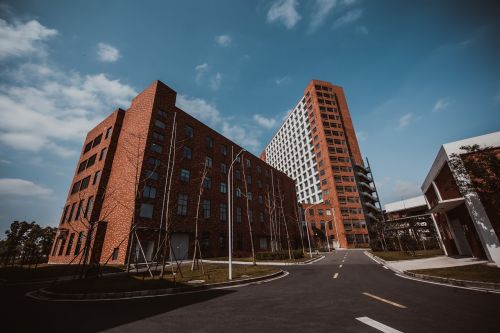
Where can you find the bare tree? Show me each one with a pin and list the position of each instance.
(248, 212)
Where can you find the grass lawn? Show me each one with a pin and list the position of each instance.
(397, 255)
(45, 271)
(142, 281)
(480, 272)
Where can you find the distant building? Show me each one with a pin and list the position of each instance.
(408, 225)
(317, 147)
(469, 224)
(127, 188)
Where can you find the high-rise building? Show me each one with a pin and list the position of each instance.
(317, 147)
(153, 168)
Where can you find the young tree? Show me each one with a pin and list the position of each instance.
(248, 212)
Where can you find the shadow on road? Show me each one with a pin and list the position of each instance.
(23, 314)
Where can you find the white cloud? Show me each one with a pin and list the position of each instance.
(107, 53)
(20, 39)
(22, 187)
(362, 29)
(44, 108)
(441, 104)
(405, 189)
(264, 122)
(3, 161)
(209, 114)
(349, 17)
(200, 71)
(405, 120)
(284, 11)
(223, 40)
(321, 10)
(215, 81)
(497, 97)
(200, 109)
(283, 80)
(361, 136)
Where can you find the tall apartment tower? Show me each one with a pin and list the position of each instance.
(317, 147)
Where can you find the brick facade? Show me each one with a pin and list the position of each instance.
(132, 187)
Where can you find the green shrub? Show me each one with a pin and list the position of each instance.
(279, 255)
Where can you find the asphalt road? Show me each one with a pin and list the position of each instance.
(322, 297)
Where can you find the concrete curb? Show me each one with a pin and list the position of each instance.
(44, 294)
(382, 262)
(489, 286)
(265, 263)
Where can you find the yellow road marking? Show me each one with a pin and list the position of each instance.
(335, 275)
(385, 300)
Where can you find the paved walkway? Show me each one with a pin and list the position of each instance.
(434, 262)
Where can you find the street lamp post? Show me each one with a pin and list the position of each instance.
(307, 229)
(230, 213)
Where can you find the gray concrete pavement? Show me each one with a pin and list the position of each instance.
(322, 297)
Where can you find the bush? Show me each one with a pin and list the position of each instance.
(278, 255)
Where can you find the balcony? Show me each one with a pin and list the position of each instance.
(375, 208)
(364, 176)
(368, 187)
(363, 168)
(369, 196)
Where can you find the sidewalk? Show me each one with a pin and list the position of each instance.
(434, 262)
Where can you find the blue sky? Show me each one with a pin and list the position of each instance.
(416, 74)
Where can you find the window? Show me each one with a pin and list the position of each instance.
(62, 247)
(207, 183)
(97, 140)
(160, 124)
(261, 199)
(237, 174)
(70, 244)
(156, 148)
(250, 216)
(88, 209)
(223, 168)
(91, 161)
(223, 187)
(189, 131)
(208, 162)
(238, 192)
(259, 169)
(78, 243)
(153, 161)
(249, 196)
(88, 146)
(259, 183)
(97, 175)
(149, 192)
(103, 153)
(223, 212)
(79, 210)
(249, 179)
(146, 210)
(182, 204)
(65, 213)
(75, 188)
(71, 211)
(206, 208)
(114, 256)
(150, 174)
(108, 132)
(185, 175)
(161, 113)
(210, 142)
(248, 163)
(158, 136)
(223, 150)
(187, 153)
(330, 225)
(82, 166)
(261, 217)
(238, 214)
(85, 183)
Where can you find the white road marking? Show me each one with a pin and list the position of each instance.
(343, 260)
(336, 275)
(385, 300)
(377, 325)
(385, 267)
(340, 266)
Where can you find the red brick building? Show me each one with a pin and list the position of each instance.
(318, 148)
(141, 170)
(468, 222)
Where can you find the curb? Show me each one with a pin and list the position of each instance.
(382, 262)
(44, 294)
(490, 286)
(265, 263)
